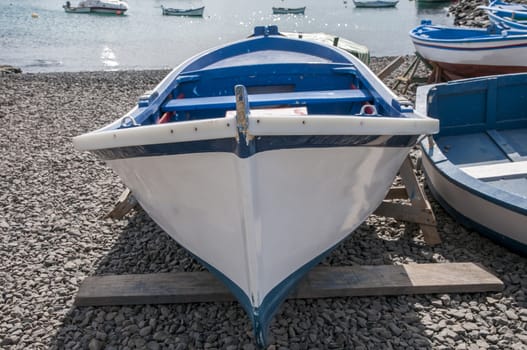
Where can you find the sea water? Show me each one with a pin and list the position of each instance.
(38, 36)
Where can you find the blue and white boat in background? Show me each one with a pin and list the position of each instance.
(260, 156)
(471, 52)
(476, 167)
(505, 22)
(509, 10)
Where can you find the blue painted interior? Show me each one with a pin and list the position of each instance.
(270, 66)
(505, 21)
(483, 121)
(480, 104)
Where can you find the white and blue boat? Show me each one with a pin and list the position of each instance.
(476, 167)
(260, 156)
(289, 10)
(509, 10)
(192, 12)
(471, 52)
(506, 22)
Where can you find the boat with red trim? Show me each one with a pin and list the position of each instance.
(472, 52)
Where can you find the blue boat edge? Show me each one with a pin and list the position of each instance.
(262, 316)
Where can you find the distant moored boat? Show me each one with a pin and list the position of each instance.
(289, 10)
(375, 3)
(116, 7)
(195, 12)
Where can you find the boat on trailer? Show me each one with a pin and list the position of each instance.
(194, 12)
(476, 166)
(471, 52)
(260, 156)
(289, 10)
(115, 7)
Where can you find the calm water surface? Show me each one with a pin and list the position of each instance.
(144, 39)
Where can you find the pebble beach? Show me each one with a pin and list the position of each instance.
(54, 233)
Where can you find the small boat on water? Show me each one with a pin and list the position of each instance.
(476, 167)
(471, 52)
(194, 12)
(115, 7)
(375, 3)
(289, 10)
(511, 11)
(260, 156)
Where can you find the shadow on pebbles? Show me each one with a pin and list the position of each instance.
(53, 199)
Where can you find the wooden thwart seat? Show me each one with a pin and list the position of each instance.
(262, 100)
(496, 170)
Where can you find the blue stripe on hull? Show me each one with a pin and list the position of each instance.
(259, 144)
(469, 223)
(262, 316)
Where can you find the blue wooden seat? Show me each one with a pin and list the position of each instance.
(273, 99)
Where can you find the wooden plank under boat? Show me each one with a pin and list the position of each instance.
(472, 52)
(260, 156)
(476, 167)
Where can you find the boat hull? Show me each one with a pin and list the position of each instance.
(260, 220)
(475, 56)
(476, 165)
(471, 207)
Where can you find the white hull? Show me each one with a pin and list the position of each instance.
(490, 53)
(490, 216)
(260, 219)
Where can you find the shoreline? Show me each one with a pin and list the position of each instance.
(54, 198)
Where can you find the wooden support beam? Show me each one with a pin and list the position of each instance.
(321, 282)
(125, 203)
(386, 71)
(419, 211)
